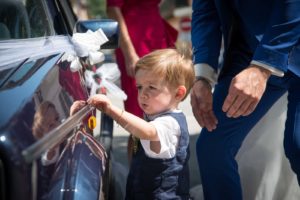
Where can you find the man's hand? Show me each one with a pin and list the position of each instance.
(201, 101)
(245, 91)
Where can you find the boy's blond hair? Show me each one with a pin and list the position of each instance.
(173, 66)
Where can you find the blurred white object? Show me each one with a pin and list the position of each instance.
(89, 78)
(113, 89)
(264, 169)
(95, 57)
(88, 42)
(109, 73)
(87, 45)
(75, 64)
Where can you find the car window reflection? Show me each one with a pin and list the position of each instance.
(23, 19)
(46, 118)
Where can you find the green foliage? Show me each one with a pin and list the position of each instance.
(96, 8)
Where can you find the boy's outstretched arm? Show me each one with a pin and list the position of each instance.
(133, 124)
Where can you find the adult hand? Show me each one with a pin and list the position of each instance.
(245, 91)
(201, 101)
(130, 62)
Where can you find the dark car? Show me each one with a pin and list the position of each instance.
(44, 152)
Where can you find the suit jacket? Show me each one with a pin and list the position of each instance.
(267, 31)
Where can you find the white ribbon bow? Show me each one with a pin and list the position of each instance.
(86, 45)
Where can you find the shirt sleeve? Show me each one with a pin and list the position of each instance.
(168, 131)
(273, 70)
(207, 72)
(281, 36)
(115, 3)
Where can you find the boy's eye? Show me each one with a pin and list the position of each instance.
(152, 87)
(139, 87)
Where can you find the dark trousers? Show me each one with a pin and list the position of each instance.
(216, 150)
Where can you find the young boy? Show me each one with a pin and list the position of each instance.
(159, 167)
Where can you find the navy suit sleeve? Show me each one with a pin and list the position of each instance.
(281, 36)
(206, 33)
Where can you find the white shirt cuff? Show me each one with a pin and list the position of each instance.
(273, 70)
(206, 71)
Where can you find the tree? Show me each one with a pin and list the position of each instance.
(96, 8)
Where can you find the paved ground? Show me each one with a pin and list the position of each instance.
(120, 143)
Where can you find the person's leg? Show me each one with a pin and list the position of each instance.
(216, 150)
(292, 127)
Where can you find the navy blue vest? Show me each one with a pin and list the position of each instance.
(152, 178)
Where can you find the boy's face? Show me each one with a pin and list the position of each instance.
(154, 94)
(52, 119)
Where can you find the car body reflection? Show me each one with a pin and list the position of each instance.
(57, 158)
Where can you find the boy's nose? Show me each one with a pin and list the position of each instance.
(143, 93)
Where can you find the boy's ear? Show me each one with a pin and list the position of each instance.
(181, 92)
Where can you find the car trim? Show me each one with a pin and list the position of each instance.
(55, 136)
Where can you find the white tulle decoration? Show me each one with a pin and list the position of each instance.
(13, 51)
(109, 73)
(88, 45)
(80, 45)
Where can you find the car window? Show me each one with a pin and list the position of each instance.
(23, 19)
(12, 77)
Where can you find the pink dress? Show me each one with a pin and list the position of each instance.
(148, 31)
